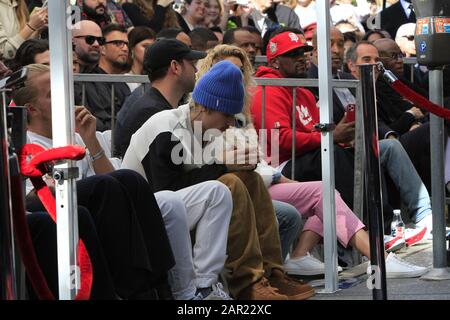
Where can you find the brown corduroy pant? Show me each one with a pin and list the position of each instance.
(253, 247)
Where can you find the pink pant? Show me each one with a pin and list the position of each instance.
(307, 198)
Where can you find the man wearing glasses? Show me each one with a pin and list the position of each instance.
(110, 51)
(87, 40)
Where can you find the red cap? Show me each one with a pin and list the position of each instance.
(285, 42)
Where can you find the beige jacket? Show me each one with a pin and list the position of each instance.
(10, 40)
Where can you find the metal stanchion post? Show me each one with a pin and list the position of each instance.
(372, 184)
(440, 270)
(327, 146)
(63, 128)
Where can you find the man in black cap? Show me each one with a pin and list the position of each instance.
(170, 66)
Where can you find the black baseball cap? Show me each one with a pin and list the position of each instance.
(163, 51)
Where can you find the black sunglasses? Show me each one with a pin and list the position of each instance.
(91, 39)
(294, 53)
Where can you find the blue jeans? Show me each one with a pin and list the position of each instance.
(289, 225)
(413, 192)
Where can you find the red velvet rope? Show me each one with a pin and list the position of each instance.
(25, 244)
(35, 169)
(419, 100)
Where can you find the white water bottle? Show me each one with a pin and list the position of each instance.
(397, 225)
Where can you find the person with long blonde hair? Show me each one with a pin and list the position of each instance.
(155, 14)
(17, 25)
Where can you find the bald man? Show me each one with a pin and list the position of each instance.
(390, 55)
(88, 39)
(337, 50)
(392, 58)
(340, 95)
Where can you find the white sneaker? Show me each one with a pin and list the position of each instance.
(305, 266)
(426, 222)
(392, 244)
(415, 236)
(217, 293)
(399, 268)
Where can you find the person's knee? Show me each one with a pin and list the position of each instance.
(233, 182)
(129, 178)
(105, 184)
(288, 216)
(218, 193)
(171, 206)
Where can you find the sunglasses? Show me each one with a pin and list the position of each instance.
(410, 38)
(118, 43)
(91, 39)
(394, 56)
(294, 53)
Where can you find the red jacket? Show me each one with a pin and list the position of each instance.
(279, 116)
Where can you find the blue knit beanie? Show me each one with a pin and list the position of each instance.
(221, 89)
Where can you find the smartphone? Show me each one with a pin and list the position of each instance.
(45, 4)
(351, 110)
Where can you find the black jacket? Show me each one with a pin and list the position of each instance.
(393, 17)
(392, 108)
(160, 151)
(98, 99)
(134, 115)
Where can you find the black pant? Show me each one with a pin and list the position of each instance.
(308, 167)
(130, 228)
(43, 234)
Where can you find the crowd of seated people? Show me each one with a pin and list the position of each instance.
(168, 214)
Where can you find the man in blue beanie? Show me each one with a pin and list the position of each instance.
(170, 153)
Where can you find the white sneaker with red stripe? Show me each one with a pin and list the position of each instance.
(414, 236)
(392, 244)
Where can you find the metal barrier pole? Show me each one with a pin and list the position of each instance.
(113, 115)
(358, 192)
(263, 111)
(372, 185)
(439, 271)
(327, 145)
(63, 128)
(294, 129)
(358, 199)
(83, 94)
(7, 268)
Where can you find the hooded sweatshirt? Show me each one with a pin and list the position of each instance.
(279, 116)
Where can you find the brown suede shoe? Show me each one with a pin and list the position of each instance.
(294, 289)
(261, 290)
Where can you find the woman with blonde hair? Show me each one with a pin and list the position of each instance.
(17, 25)
(155, 14)
(306, 197)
